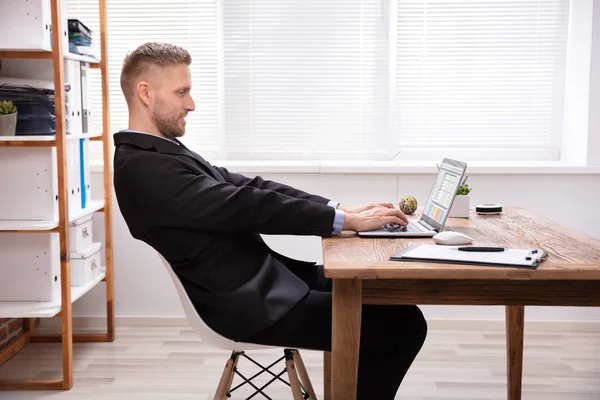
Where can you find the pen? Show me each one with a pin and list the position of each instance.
(482, 249)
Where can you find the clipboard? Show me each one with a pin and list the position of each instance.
(520, 258)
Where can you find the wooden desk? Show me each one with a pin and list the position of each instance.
(362, 274)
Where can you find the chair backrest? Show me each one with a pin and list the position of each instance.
(205, 333)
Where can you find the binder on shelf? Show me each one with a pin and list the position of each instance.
(85, 98)
(84, 172)
(73, 176)
(73, 96)
(521, 258)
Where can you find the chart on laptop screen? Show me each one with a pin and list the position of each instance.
(443, 192)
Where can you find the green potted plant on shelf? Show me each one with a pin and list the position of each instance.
(8, 118)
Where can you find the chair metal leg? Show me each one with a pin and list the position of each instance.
(293, 374)
(327, 375)
(227, 377)
(304, 378)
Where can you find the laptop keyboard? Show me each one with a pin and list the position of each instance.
(411, 227)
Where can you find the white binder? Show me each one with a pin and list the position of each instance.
(73, 96)
(74, 177)
(85, 98)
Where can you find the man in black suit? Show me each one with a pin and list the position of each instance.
(207, 221)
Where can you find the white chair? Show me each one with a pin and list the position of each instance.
(299, 380)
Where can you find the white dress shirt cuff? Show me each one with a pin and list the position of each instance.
(338, 221)
(333, 204)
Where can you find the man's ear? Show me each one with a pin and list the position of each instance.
(143, 91)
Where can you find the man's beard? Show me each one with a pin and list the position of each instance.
(168, 126)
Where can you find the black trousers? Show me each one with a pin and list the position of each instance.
(391, 336)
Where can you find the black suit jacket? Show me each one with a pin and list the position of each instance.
(206, 222)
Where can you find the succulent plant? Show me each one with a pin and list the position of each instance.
(7, 107)
(463, 190)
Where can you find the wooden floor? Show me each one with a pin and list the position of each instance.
(171, 363)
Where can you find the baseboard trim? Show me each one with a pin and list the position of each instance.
(91, 322)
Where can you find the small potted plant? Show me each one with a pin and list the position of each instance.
(8, 118)
(462, 202)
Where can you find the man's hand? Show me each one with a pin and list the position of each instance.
(364, 207)
(373, 218)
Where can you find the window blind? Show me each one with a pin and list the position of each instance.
(304, 80)
(355, 79)
(487, 74)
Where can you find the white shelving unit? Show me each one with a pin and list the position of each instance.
(68, 220)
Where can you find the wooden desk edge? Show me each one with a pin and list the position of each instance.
(399, 270)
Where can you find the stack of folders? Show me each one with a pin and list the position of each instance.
(80, 38)
(35, 105)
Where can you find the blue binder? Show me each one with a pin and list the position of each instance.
(82, 172)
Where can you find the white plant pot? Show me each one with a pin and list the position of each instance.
(8, 124)
(460, 207)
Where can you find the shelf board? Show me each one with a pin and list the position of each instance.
(33, 138)
(44, 309)
(45, 55)
(27, 226)
(41, 141)
(35, 54)
(78, 57)
(95, 205)
(27, 141)
(86, 136)
(45, 226)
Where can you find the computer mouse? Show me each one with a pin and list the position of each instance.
(449, 237)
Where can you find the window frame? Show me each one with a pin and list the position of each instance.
(578, 146)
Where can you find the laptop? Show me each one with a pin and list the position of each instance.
(435, 212)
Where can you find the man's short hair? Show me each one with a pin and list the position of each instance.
(152, 53)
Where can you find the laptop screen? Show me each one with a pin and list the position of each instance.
(442, 194)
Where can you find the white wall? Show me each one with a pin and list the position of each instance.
(142, 287)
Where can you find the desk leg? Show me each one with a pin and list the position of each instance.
(347, 314)
(515, 323)
(327, 375)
